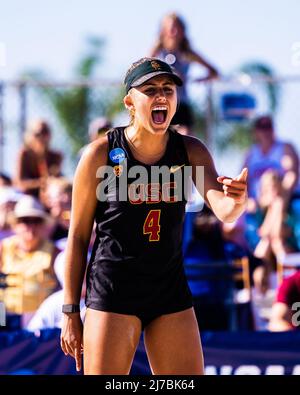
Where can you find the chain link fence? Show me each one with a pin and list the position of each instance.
(69, 108)
(232, 104)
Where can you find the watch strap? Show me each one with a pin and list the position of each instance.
(71, 308)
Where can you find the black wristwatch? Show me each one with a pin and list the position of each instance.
(70, 308)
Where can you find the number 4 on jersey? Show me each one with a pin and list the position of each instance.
(152, 226)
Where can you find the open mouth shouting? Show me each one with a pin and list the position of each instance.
(159, 114)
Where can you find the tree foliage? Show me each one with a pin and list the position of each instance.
(75, 105)
(260, 69)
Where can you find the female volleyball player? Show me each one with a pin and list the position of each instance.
(135, 278)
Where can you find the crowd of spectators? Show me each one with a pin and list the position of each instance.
(35, 211)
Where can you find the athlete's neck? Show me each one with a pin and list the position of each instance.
(146, 145)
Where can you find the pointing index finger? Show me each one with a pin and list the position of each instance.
(78, 357)
(243, 175)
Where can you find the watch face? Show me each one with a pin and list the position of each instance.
(70, 308)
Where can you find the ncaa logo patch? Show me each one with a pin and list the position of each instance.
(117, 155)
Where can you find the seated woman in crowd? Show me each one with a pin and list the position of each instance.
(57, 199)
(273, 181)
(271, 231)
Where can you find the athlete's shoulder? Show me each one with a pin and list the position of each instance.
(196, 150)
(194, 144)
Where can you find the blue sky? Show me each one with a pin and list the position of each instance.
(50, 35)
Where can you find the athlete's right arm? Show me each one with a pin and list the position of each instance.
(84, 202)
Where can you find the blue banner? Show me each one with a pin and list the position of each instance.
(225, 353)
(23, 353)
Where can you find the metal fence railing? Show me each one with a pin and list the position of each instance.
(21, 101)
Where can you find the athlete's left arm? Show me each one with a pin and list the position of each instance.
(226, 196)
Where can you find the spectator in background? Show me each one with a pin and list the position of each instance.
(287, 304)
(57, 198)
(274, 230)
(273, 177)
(267, 153)
(274, 233)
(36, 161)
(174, 48)
(97, 128)
(27, 259)
(8, 199)
(49, 314)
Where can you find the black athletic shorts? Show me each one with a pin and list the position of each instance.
(118, 288)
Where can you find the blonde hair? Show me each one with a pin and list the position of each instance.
(131, 120)
(132, 67)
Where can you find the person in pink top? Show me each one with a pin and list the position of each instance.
(285, 313)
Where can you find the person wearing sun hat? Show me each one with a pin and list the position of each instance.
(29, 207)
(135, 279)
(9, 196)
(27, 258)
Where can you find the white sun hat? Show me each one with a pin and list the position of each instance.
(28, 206)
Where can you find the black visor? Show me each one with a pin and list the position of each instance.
(147, 70)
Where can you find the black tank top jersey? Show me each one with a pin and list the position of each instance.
(137, 244)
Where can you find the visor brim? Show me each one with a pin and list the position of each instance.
(140, 81)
